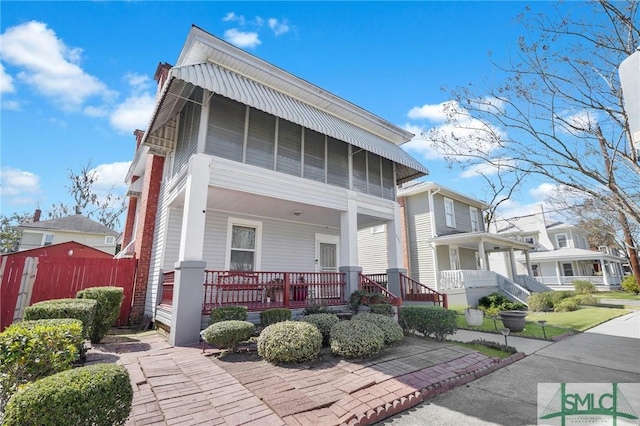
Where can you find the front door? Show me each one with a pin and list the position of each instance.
(327, 253)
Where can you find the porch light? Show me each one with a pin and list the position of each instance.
(297, 212)
(505, 333)
(542, 324)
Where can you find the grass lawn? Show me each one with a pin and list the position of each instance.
(491, 352)
(581, 320)
(531, 329)
(617, 295)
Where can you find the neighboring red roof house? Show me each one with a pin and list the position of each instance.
(69, 248)
(71, 228)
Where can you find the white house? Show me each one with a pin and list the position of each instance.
(561, 253)
(249, 187)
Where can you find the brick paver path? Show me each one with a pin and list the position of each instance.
(183, 386)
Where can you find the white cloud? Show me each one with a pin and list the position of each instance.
(544, 191)
(18, 186)
(232, 17)
(12, 105)
(133, 113)
(110, 175)
(242, 38)
(93, 111)
(420, 145)
(580, 121)
(6, 81)
(138, 82)
(431, 112)
(49, 66)
(488, 169)
(278, 27)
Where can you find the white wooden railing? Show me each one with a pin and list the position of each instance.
(531, 284)
(597, 279)
(466, 279)
(514, 290)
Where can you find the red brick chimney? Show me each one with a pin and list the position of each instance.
(138, 134)
(36, 215)
(162, 72)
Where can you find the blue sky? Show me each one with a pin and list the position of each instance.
(77, 77)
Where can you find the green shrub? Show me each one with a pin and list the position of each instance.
(494, 345)
(31, 350)
(98, 395)
(382, 309)
(629, 284)
(496, 302)
(431, 321)
(541, 302)
(272, 316)
(584, 287)
(356, 339)
(228, 313)
(228, 333)
(323, 322)
(108, 304)
(290, 341)
(568, 304)
(313, 309)
(585, 299)
(80, 309)
(392, 331)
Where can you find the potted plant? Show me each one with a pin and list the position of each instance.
(300, 290)
(275, 291)
(474, 316)
(513, 320)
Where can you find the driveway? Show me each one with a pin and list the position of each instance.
(604, 354)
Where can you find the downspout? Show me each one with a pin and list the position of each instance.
(436, 273)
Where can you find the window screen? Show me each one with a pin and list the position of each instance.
(337, 163)
(261, 139)
(314, 155)
(375, 184)
(225, 134)
(289, 147)
(360, 171)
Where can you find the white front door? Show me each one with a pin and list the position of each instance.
(327, 253)
(454, 258)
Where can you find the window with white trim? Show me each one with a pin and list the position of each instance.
(454, 258)
(567, 270)
(475, 225)
(47, 239)
(561, 240)
(378, 229)
(109, 240)
(243, 245)
(449, 213)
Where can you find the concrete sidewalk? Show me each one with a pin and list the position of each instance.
(183, 386)
(522, 344)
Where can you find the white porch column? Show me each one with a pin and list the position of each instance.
(514, 270)
(395, 252)
(482, 255)
(527, 259)
(349, 246)
(195, 208)
(558, 273)
(603, 267)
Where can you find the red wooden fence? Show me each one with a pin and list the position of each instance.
(9, 288)
(63, 277)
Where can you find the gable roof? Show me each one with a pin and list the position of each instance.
(74, 223)
(414, 188)
(221, 68)
(79, 249)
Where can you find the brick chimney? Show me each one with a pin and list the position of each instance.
(138, 134)
(162, 72)
(36, 215)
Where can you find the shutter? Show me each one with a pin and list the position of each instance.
(261, 139)
(289, 147)
(225, 134)
(337, 163)
(314, 155)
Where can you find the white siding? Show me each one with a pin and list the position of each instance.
(467, 259)
(462, 217)
(156, 253)
(172, 246)
(372, 251)
(419, 235)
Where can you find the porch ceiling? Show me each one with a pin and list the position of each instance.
(243, 203)
(491, 242)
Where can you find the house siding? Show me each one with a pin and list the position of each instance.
(461, 213)
(157, 252)
(372, 251)
(419, 234)
(34, 239)
(467, 259)
(444, 262)
(31, 240)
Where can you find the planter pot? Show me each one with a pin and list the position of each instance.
(513, 320)
(474, 317)
(300, 293)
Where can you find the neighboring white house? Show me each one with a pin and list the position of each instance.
(78, 228)
(447, 246)
(252, 179)
(561, 254)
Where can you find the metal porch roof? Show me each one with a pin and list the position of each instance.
(247, 91)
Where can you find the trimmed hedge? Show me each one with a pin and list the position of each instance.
(431, 321)
(548, 300)
(228, 333)
(80, 309)
(569, 304)
(108, 304)
(392, 331)
(98, 395)
(31, 350)
(323, 322)
(228, 313)
(290, 341)
(540, 302)
(584, 287)
(356, 339)
(629, 284)
(382, 309)
(272, 316)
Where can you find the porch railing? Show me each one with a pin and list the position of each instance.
(381, 279)
(167, 288)
(531, 284)
(414, 291)
(370, 286)
(264, 290)
(568, 280)
(513, 289)
(466, 279)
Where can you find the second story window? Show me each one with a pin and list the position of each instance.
(47, 239)
(475, 225)
(561, 239)
(449, 213)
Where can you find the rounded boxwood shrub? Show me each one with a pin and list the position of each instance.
(585, 299)
(290, 341)
(541, 302)
(228, 333)
(31, 350)
(228, 313)
(629, 284)
(356, 339)
(272, 316)
(81, 309)
(323, 322)
(392, 331)
(382, 309)
(108, 304)
(98, 395)
(566, 305)
(584, 287)
(431, 321)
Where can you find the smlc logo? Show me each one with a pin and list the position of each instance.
(587, 403)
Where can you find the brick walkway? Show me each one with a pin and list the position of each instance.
(183, 386)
